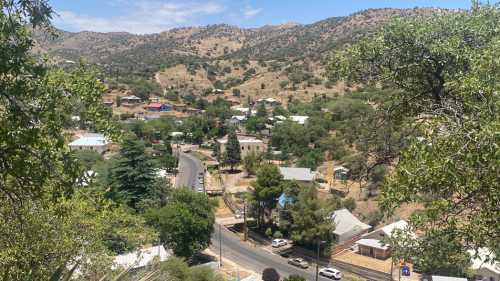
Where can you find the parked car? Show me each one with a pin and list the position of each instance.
(286, 253)
(278, 243)
(299, 262)
(331, 273)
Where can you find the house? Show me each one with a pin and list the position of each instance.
(154, 99)
(347, 226)
(179, 107)
(141, 258)
(108, 103)
(245, 110)
(269, 101)
(372, 244)
(237, 120)
(341, 173)
(247, 144)
(158, 107)
(302, 175)
(93, 142)
(131, 99)
(301, 120)
(484, 268)
(284, 200)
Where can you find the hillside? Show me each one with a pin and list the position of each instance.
(256, 61)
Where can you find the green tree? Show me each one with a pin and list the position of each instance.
(267, 188)
(185, 223)
(134, 174)
(45, 221)
(251, 162)
(312, 219)
(446, 68)
(88, 158)
(261, 110)
(232, 153)
(236, 92)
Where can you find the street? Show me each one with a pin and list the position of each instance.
(233, 248)
(189, 168)
(255, 258)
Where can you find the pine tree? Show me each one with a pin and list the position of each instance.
(134, 174)
(261, 110)
(232, 155)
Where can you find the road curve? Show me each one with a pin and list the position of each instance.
(242, 253)
(189, 168)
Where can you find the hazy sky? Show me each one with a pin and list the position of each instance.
(150, 16)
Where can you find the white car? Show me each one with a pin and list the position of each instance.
(279, 243)
(331, 273)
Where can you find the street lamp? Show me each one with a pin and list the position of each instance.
(317, 258)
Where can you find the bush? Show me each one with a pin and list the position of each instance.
(349, 204)
(374, 218)
(278, 234)
(269, 232)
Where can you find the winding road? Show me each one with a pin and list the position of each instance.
(233, 248)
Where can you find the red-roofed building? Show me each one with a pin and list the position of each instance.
(158, 107)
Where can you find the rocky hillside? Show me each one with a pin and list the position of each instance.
(289, 52)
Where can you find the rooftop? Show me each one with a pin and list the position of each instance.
(299, 119)
(373, 243)
(90, 140)
(447, 278)
(483, 259)
(241, 139)
(388, 229)
(299, 174)
(346, 222)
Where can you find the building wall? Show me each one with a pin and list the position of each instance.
(246, 148)
(374, 252)
(99, 149)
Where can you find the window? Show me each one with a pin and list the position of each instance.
(242, 148)
(258, 147)
(248, 147)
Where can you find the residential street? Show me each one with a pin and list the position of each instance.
(244, 254)
(189, 168)
(254, 258)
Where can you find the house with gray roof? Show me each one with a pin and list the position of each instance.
(347, 226)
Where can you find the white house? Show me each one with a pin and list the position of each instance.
(347, 226)
(93, 142)
(141, 258)
(237, 120)
(299, 119)
(372, 244)
(247, 144)
(484, 267)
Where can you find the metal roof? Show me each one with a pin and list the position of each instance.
(373, 243)
(299, 174)
(90, 140)
(346, 222)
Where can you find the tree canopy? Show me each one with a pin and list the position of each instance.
(446, 68)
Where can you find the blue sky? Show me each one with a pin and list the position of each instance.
(151, 16)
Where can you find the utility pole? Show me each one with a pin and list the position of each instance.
(245, 230)
(220, 246)
(317, 258)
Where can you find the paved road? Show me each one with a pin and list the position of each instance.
(233, 248)
(255, 258)
(189, 168)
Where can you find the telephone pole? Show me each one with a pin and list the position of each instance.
(220, 246)
(245, 230)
